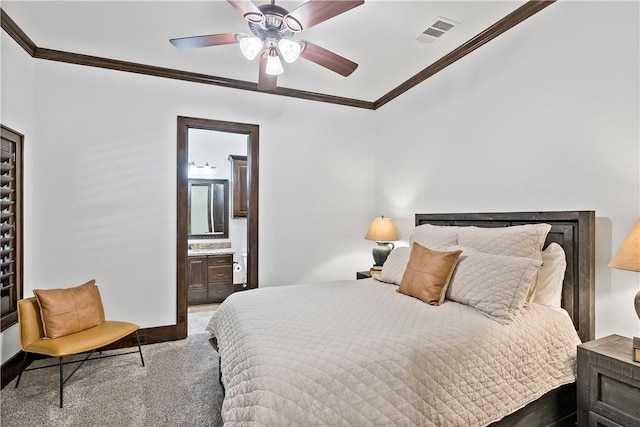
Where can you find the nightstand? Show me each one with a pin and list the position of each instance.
(363, 274)
(608, 383)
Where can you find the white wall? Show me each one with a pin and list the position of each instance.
(113, 147)
(16, 112)
(545, 117)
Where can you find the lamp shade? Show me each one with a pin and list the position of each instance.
(382, 230)
(628, 256)
(289, 49)
(274, 66)
(250, 47)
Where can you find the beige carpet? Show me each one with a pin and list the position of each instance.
(178, 387)
(198, 317)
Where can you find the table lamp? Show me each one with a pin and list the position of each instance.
(628, 258)
(382, 231)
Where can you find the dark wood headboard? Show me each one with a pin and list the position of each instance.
(573, 230)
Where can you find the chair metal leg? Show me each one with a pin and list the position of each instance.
(24, 363)
(139, 348)
(61, 364)
(61, 381)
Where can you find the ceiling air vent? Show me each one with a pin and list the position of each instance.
(439, 28)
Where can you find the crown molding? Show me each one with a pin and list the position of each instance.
(514, 18)
(16, 33)
(169, 73)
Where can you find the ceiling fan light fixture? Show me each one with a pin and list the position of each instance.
(274, 66)
(254, 17)
(289, 50)
(292, 24)
(250, 47)
(269, 24)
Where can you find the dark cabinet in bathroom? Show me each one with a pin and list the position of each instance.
(210, 278)
(239, 195)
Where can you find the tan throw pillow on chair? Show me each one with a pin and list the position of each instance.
(428, 273)
(66, 311)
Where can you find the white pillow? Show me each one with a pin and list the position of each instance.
(496, 285)
(434, 237)
(393, 268)
(519, 240)
(548, 290)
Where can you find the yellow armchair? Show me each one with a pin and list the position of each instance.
(34, 339)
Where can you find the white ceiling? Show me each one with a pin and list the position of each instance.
(378, 35)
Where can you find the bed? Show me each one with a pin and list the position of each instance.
(361, 353)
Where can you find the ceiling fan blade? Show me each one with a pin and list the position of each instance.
(245, 7)
(314, 12)
(328, 59)
(204, 41)
(266, 81)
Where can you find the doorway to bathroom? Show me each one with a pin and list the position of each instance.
(217, 214)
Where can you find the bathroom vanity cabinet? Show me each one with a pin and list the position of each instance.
(210, 278)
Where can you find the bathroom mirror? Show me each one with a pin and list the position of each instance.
(208, 208)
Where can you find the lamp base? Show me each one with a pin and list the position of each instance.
(381, 252)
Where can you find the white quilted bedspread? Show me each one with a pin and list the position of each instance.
(359, 353)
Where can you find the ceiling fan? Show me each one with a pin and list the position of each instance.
(273, 27)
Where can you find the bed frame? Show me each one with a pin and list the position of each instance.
(575, 232)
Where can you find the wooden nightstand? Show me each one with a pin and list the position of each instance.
(608, 383)
(363, 274)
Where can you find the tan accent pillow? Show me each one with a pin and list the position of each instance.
(428, 273)
(66, 311)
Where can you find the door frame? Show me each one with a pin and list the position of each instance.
(182, 233)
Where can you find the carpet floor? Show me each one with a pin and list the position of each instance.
(198, 318)
(178, 387)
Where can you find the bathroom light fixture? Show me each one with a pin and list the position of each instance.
(207, 169)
